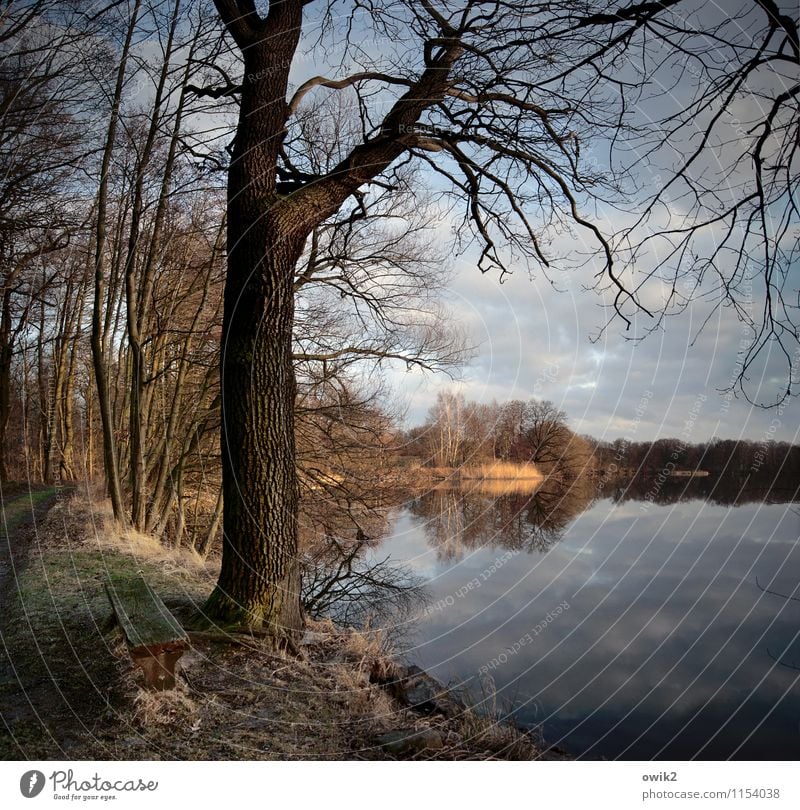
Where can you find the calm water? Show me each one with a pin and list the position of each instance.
(623, 629)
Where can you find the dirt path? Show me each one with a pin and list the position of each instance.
(21, 511)
(46, 694)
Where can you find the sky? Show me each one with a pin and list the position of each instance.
(535, 341)
(532, 339)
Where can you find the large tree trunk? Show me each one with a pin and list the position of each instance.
(259, 582)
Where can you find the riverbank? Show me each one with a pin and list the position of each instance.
(70, 692)
(490, 471)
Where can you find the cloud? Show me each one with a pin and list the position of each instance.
(535, 340)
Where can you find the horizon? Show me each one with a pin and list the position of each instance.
(600, 385)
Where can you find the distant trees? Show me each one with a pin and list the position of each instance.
(461, 433)
(549, 443)
(447, 430)
(760, 461)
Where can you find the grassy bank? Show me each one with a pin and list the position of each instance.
(69, 689)
(20, 502)
(495, 478)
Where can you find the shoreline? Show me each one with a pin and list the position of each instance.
(342, 697)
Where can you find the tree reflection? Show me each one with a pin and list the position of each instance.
(458, 520)
(726, 490)
(524, 517)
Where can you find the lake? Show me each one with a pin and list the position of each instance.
(635, 625)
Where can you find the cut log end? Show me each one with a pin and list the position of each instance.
(158, 666)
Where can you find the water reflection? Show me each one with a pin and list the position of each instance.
(499, 514)
(723, 490)
(667, 648)
(530, 516)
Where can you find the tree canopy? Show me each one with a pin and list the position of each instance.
(661, 135)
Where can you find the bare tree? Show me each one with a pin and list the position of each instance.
(547, 441)
(369, 284)
(447, 425)
(498, 100)
(42, 67)
(157, 241)
(99, 330)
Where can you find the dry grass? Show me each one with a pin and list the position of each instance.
(503, 471)
(107, 535)
(175, 708)
(234, 700)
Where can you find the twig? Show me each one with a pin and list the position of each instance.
(777, 593)
(781, 662)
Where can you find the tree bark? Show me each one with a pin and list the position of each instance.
(259, 582)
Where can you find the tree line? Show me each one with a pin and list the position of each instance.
(458, 433)
(762, 461)
(218, 220)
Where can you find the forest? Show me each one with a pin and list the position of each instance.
(210, 250)
(228, 228)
